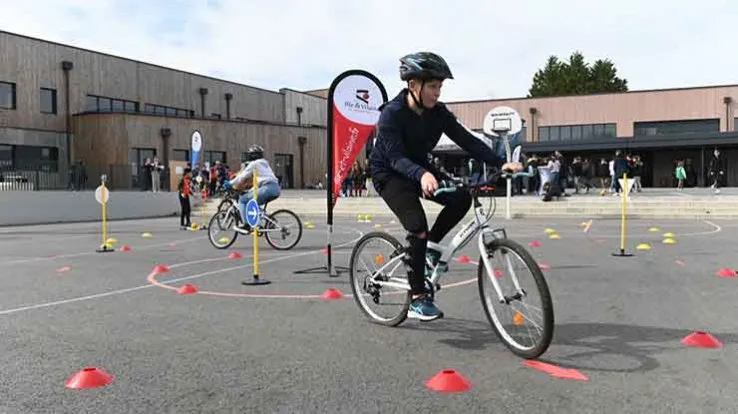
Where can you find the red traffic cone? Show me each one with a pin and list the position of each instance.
(725, 272)
(701, 339)
(448, 380)
(160, 268)
(498, 273)
(534, 243)
(235, 255)
(187, 289)
(89, 377)
(324, 251)
(464, 259)
(125, 248)
(544, 266)
(331, 294)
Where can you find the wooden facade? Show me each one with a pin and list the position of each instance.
(118, 104)
(305, 109)
(108, 139)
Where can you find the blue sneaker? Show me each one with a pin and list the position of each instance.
(424, 309)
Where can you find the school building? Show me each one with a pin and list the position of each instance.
(61, 106)
(662, 126)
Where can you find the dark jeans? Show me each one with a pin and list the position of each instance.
(184, 217)
(403, 198)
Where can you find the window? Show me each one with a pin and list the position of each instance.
(7, 95)
(167, 111)
(181, 155)
(29, 158)
(576, 132)
(676, 127)
(95, 103)
(48, 101)
(212, 156)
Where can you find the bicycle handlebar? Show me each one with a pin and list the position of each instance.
(449, 186)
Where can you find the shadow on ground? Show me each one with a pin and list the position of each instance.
(601, 347)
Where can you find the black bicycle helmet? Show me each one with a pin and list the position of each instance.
(424, 66)
(255, 152)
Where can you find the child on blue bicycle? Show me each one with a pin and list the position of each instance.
(268, 184)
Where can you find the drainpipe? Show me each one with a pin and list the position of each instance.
(228, 98)
(533, 112)
(67, 66)
(728, 124)
(203, 92)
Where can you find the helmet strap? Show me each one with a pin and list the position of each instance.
(418, 100)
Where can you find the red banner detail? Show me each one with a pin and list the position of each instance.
(349, 139)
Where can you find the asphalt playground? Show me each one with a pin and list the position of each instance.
(281, 348)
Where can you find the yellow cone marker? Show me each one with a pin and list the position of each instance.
(224, 240)
(654, 229)
(554, 236)
(668, 234)
(146, 235)
(669, 240)
(550, 231)
(111, 240)
(644, 246)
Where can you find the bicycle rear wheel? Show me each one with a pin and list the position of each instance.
(539, 318)
(281, 224)
(380, 254)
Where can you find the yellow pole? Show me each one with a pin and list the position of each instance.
(255, 187)
(204, 195)
(623, 225)
(105, 228)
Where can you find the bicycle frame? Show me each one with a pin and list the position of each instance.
(476, 227)
(235, 210)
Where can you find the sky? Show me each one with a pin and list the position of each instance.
(493, 48)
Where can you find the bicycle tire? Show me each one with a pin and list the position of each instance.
(299, 227)
(211, 223)
(543, 291)
(402, 316)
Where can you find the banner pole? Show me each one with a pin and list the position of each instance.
(354, 96)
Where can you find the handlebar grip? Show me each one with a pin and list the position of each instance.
(444, 190)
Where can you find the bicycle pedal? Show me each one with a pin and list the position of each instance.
(438, 287)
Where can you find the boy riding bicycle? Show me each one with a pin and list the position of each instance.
(269, 188)
(408, 129)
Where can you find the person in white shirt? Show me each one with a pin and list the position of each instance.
(268, 184)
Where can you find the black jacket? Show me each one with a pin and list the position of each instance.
(406, 139)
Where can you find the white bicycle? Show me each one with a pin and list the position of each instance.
(370, 278)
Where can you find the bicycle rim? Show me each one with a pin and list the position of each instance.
(366, 259)
(526, 316)
(222, 221)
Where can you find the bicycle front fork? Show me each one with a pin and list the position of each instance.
(487, 255)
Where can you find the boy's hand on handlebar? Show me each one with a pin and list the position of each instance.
(429, 184)
(512, 167)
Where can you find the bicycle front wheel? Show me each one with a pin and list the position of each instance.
(524, 319)
(221, 223)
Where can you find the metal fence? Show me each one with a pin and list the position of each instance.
(80, 178)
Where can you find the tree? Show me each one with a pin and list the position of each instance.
(576, 77)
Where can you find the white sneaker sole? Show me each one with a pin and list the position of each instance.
(425, 318)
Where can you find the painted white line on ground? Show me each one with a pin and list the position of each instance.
(149, 285)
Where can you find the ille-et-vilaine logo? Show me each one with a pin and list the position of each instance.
(362, 95)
